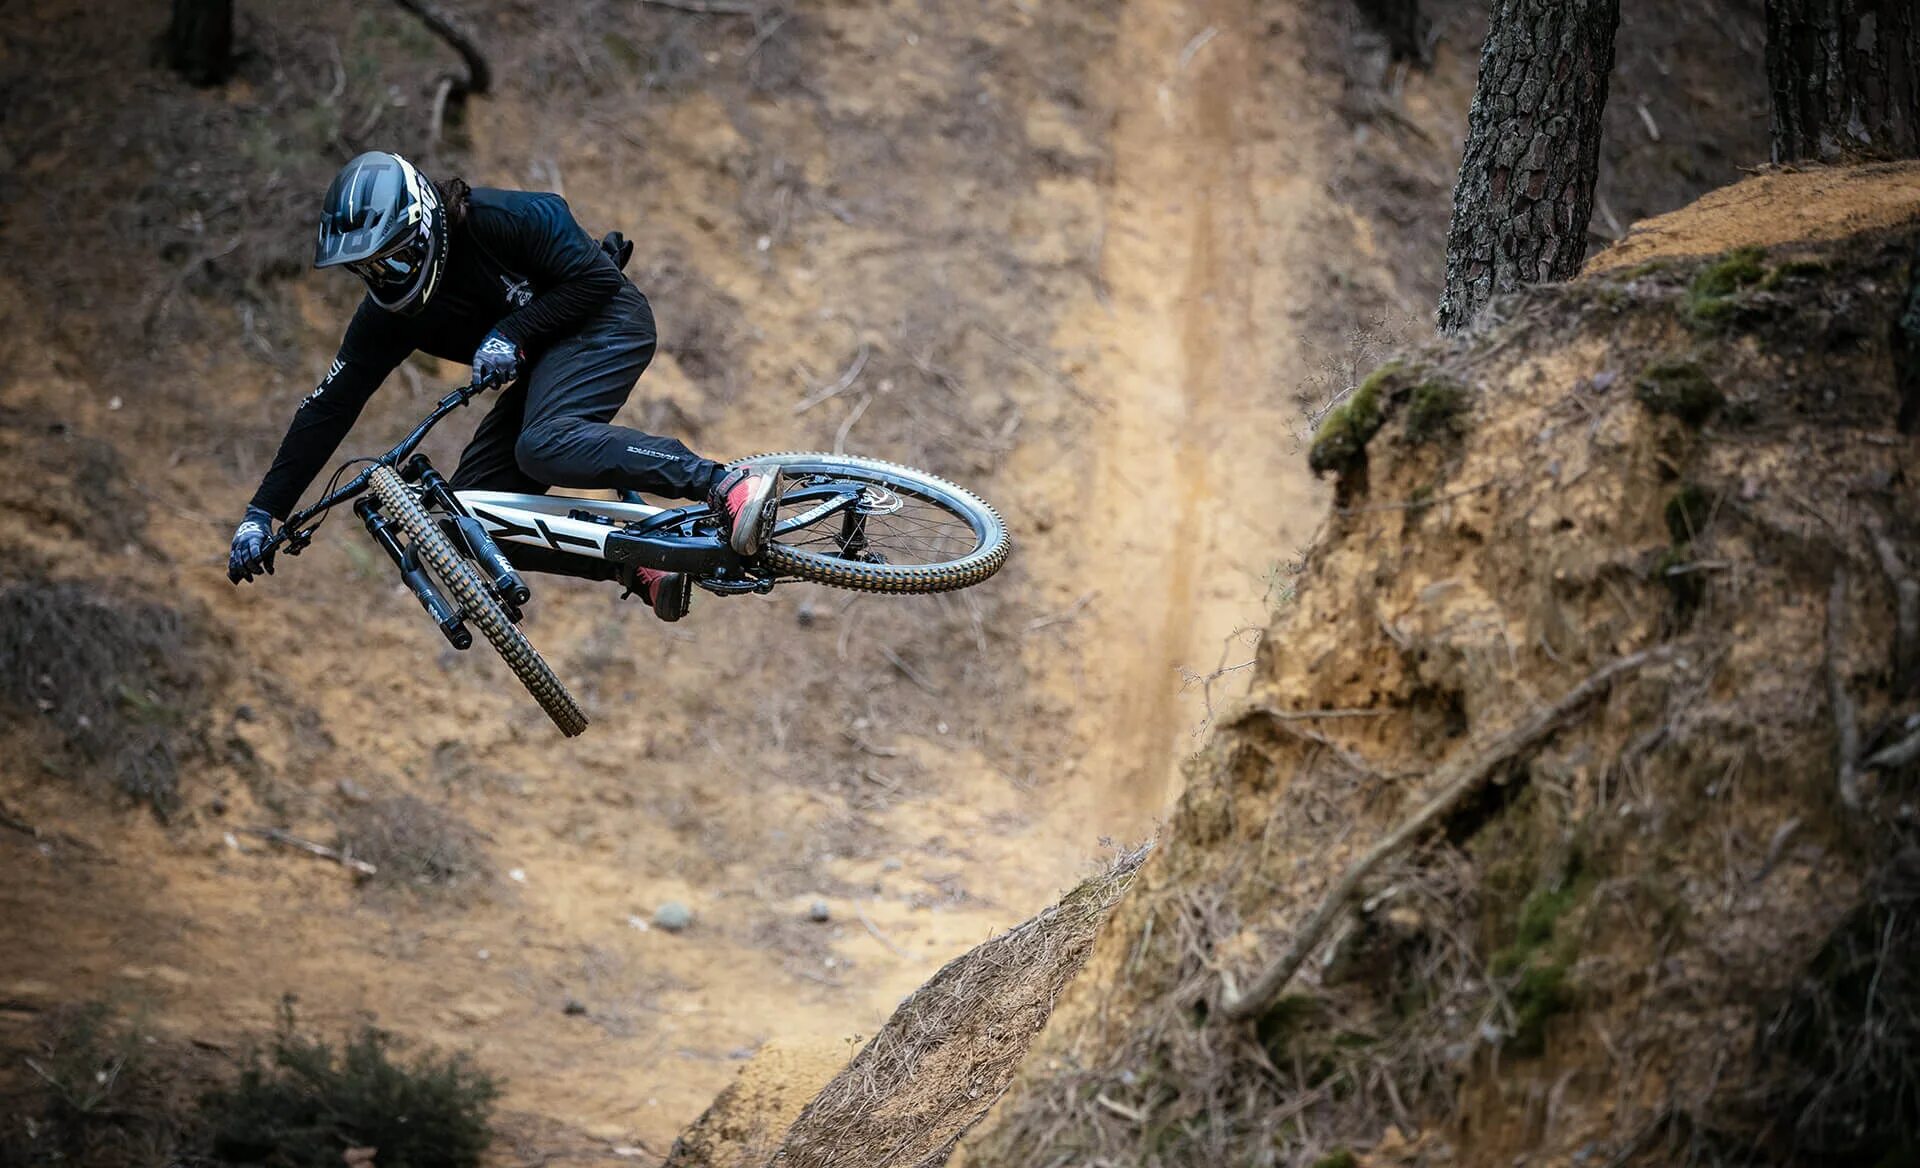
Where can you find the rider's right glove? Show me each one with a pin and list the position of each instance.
(245, 560)
(496, 362)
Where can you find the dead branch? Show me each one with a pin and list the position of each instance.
(1906, 595)
(860, 911)
(1846, 724)
(841, 384)
(275, 835)
(479, 78)
(909, 672)
(709, 7)
(1898, 755)
(1454, 784)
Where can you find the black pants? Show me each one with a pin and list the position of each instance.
(551, 428)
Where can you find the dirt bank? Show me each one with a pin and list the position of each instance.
(1653, 933)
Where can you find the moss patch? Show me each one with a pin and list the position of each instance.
(1338, 1158)
(1679, 388)
(1536, 964)
(1713, 298)
(1434, 408)
(1341, 441)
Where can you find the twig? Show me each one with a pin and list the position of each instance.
(861, 912)
(841, 384)
(275, 835)
(1898, 755)
(479, 76)
(1455, 782)
(1906, 596)
(1280, 715)
(909, 672)
(709, 7)
(1132, 1114)
(8, 821)
(1060, 618)
(1043, 365)
(1846, 725)
(1195, 45)
(1348, 758)
(846, 425)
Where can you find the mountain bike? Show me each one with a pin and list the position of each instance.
(841, 520)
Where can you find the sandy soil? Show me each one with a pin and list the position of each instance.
(1094, 314)
(1091, 254)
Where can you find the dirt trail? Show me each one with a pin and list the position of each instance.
(1196, 478)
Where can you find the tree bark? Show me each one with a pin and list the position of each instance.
(1525, 193)
(1844, 79)
(200, 40)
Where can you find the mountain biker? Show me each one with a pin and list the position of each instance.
(508, 282)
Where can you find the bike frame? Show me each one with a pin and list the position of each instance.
(677, 539)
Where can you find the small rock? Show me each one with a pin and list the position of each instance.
(517, 875)
(574, 1007)
(218, 805)
(805, 614)
(353, 792)
(819, 912)
(891, 864)
(672, 916)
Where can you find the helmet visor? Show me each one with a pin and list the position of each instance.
(399, 267)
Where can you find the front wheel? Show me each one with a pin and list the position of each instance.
(477, 603)
(908, 531)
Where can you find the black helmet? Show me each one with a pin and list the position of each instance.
(384, 221)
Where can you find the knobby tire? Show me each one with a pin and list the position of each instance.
(476, 603)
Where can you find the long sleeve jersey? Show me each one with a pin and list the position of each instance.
(519, 263)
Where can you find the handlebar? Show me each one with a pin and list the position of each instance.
(297, 532)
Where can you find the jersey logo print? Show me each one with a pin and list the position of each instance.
(519, 292)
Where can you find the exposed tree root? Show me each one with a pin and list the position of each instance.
(1456, 782)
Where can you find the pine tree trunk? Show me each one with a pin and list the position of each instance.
(200, 40)
(1844, 77)
(1525, 193)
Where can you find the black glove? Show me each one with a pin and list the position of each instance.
(496, 362)
(245, 560)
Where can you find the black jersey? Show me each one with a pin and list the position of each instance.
(518, 263)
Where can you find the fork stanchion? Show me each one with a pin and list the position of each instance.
(418, 582)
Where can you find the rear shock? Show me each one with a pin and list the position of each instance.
(444, 615)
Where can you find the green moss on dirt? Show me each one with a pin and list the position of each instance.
(1341, 441)
(1713, 298)
(1434, 408)
(1679, 388)
(1338, 1158)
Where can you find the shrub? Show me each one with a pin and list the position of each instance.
(412, 842)
(120, 681)
(307, 1103)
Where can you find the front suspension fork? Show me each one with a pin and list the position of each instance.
(444, 615)
(507, 582)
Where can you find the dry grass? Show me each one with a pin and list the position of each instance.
(122, 684)
(951, 1048)
(413, 843)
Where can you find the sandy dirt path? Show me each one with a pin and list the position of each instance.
(1197, 477)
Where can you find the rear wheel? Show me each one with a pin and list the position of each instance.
(476, 603)
(909, 531)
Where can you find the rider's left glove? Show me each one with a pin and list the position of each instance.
(246, 560)
(496, 362)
